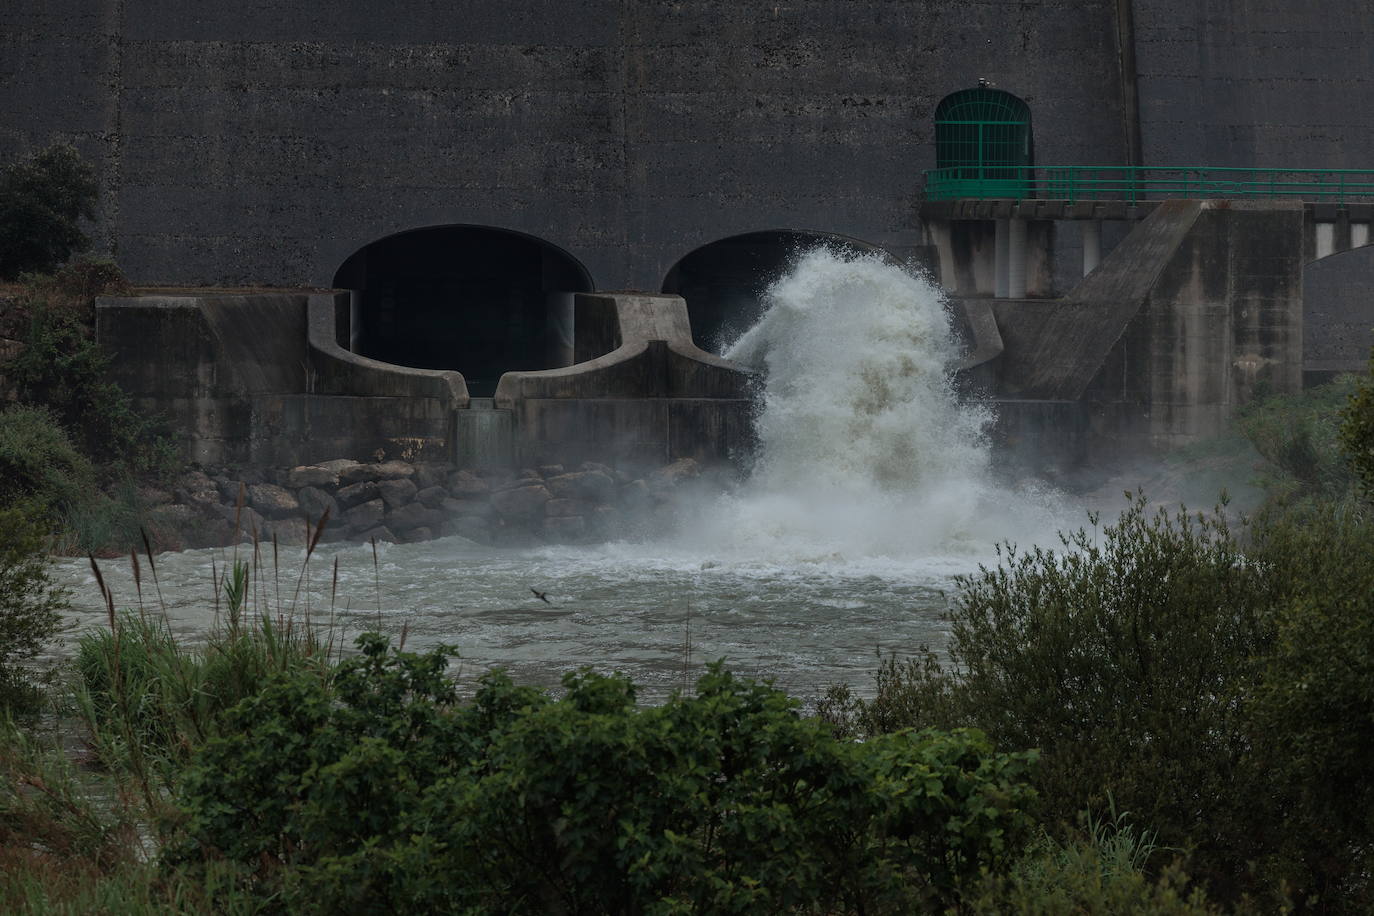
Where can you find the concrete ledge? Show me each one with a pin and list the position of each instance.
(334, 370)
(630, 345)
(982, 327)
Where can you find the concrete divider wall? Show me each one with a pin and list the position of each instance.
(654, 397)
(260, 380)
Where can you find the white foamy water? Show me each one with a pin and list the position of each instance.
(870, 493)
(866, 455)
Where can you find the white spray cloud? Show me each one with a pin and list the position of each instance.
(865, 450)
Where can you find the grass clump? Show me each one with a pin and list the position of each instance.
(1357, 432)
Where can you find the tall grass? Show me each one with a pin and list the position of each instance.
(148, 700)
(85, 804)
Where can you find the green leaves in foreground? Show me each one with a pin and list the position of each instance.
(31, 604)
(391, 796)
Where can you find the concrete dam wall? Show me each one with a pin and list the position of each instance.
(469, 170)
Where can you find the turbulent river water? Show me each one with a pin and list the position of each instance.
(870, 493)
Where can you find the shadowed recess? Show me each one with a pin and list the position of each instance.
(479, 300)
(724, 282)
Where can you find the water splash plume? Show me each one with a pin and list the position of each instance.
(865, 449)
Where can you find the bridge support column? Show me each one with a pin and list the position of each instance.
(1000, 260)
(1092, 245)
(1016, 259)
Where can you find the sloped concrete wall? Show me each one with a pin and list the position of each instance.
(1196, 313)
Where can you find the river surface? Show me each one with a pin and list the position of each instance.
(650, 611)
(870, 493)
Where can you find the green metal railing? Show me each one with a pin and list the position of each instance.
(1134, 184)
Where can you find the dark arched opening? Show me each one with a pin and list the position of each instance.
(983, 138)
(724, 282)
(479, 300)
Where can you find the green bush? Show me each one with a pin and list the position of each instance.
(31, 604)
(39, 465)
(1220, 690)
(1300, 435)
(42, 202)
(64, 369)
(1127, 659)
(1313, 709)
(1357, 432)
(41, 470)
(388, 795)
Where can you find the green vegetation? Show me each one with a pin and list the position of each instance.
(1219, 692)
(63, 369)
(1300, 436)
(30, 606)
(43, 200)
(1357, 431)
(73, 446)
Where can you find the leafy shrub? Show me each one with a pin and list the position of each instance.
(38, 463)
(42, 202)
(389, 795)
(1357, 431)
(1218, 689)
(30, 603)
(41, 470)
(1126, 659)
(1300, 436)
(63, 368)
(1313, 730)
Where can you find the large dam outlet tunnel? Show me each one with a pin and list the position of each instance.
(479, 300)
(724, 282)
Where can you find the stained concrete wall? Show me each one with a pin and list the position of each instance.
(238, 382)
(264, 142)
(1221, 323)
(1268, 84)
(1193, 315)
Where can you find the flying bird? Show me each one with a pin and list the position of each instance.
(542, 596)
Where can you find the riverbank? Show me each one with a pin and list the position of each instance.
(408, 502)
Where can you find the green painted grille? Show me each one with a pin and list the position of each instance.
(983, 142)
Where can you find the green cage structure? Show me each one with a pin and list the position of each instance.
(983, 145)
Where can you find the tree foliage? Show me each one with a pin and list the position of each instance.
(1217, 687)
(43, 200)
(1357, 432)
(30, 604)
(387, 795)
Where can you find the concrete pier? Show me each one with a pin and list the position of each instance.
(1092, 245)
(1016, 259)
(1001, 258)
